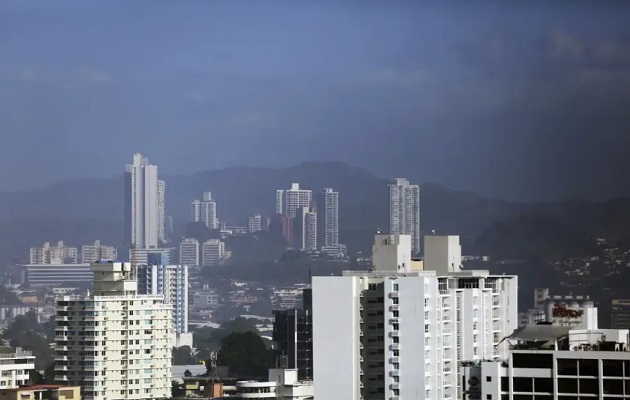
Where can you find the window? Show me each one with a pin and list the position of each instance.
(543, 361)
(488, 379)
(395, 300)
(396, 365)
(396, 379)
(395, 353)
(395, 313)
(395, 326)
(426, 328)
(489, 397)
(395, 287)
(395, 339)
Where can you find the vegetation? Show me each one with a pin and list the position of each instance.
(27, 333)
(209, 339)
(246, 354)
(183, 356)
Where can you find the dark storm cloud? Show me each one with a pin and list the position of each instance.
(523, 102)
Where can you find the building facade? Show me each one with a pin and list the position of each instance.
(171, 282)
(404, 211)
(142, 218)
(189, 252)
(16, 365)
(213, 252)
(620, 315)
(256, 223)
(59, 254)
(331, 218)
(205, 211)
(42, 392)
(38, 275)
(293, 337)
(91, 253)
(554, 362)
(114, 343)
(401, 334)
(290, 201)
(161, 206)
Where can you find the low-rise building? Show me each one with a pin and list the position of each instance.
(91, 253)
(42, 392)
(16, 365)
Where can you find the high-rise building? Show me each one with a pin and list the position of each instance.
(142, 217)
(620, 314)
(404, 211)
(59, 254)
(213, 252)
(255, 223)
(189, 252)
(309, 233)
(398, 333)
(114, 343)
(293, 337)
(91, 253)
(205, 211)
(161, 188)
(171, 282)
(289, 201)
(331, 218)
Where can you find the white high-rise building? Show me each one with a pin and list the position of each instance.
(205, 210)
(396, 334)
(309, 228)
(189, 252)
(142, 219)
(171, 282)
(331, 218)
(16, 367)
(289, 201)
(213, 252)
(59, 254)
(404, 211)
(91, 253)
(114, 343)
(161, 188)
(255, 223)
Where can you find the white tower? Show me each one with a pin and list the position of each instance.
(141, 203)
(404, 211)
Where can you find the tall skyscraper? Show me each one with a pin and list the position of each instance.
(404, 211)
(205, 210)
(289, 201)
(161, 188)
(114, 343)
(170, 281)
(141, 203)
(398, 334)
(331, 218)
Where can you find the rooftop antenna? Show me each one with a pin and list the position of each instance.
(212, 371)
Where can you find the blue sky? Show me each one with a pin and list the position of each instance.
(516, 101)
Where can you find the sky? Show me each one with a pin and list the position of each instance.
(521, 101)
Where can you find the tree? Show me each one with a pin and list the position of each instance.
(187, 373)
(246, 354)
(238, 324)
(183, 356)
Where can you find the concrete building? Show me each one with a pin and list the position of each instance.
(189, 252)
(142, 215)
(404, 211)
(620, 314)
(171, 282)
(213, 252)
(289, 201)
(306, 225)
(161, 206)
(205, 211)
(42, 392)
(256, 223)
(206, 299)
(554, 362)
(398, 334)
(114, 343)
(15, 367)
(569, 309)
(282, 226)
(283, 384)
(59, 254)
(391, 253)
(331, 218)
(91, 253)
(142, 256)
(38, 275)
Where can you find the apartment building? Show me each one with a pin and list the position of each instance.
(554, 362)
(114, 343)
(397, 334)
(404, 211)
(213, 252)
(91, 253)
(57, 254)
(293, 337)
(16, 365)
(42, 392)
(171, 282)
(38, 275)
(189, 252)
(205, 210)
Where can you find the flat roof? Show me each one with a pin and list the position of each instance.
(540, 333)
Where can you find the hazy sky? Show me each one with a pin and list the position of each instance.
(527, 101)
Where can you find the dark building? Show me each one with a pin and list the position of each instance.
(293, 337)
(282, 226)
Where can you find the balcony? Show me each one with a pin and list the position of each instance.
(394, 360)
(394, 334)
(394, 385)
(61, 367)
(394, 346)
(393, 307)
(393, 295)
(394, 373)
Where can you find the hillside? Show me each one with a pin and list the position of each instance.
(79, 211)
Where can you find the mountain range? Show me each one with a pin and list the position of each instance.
(83, 210)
